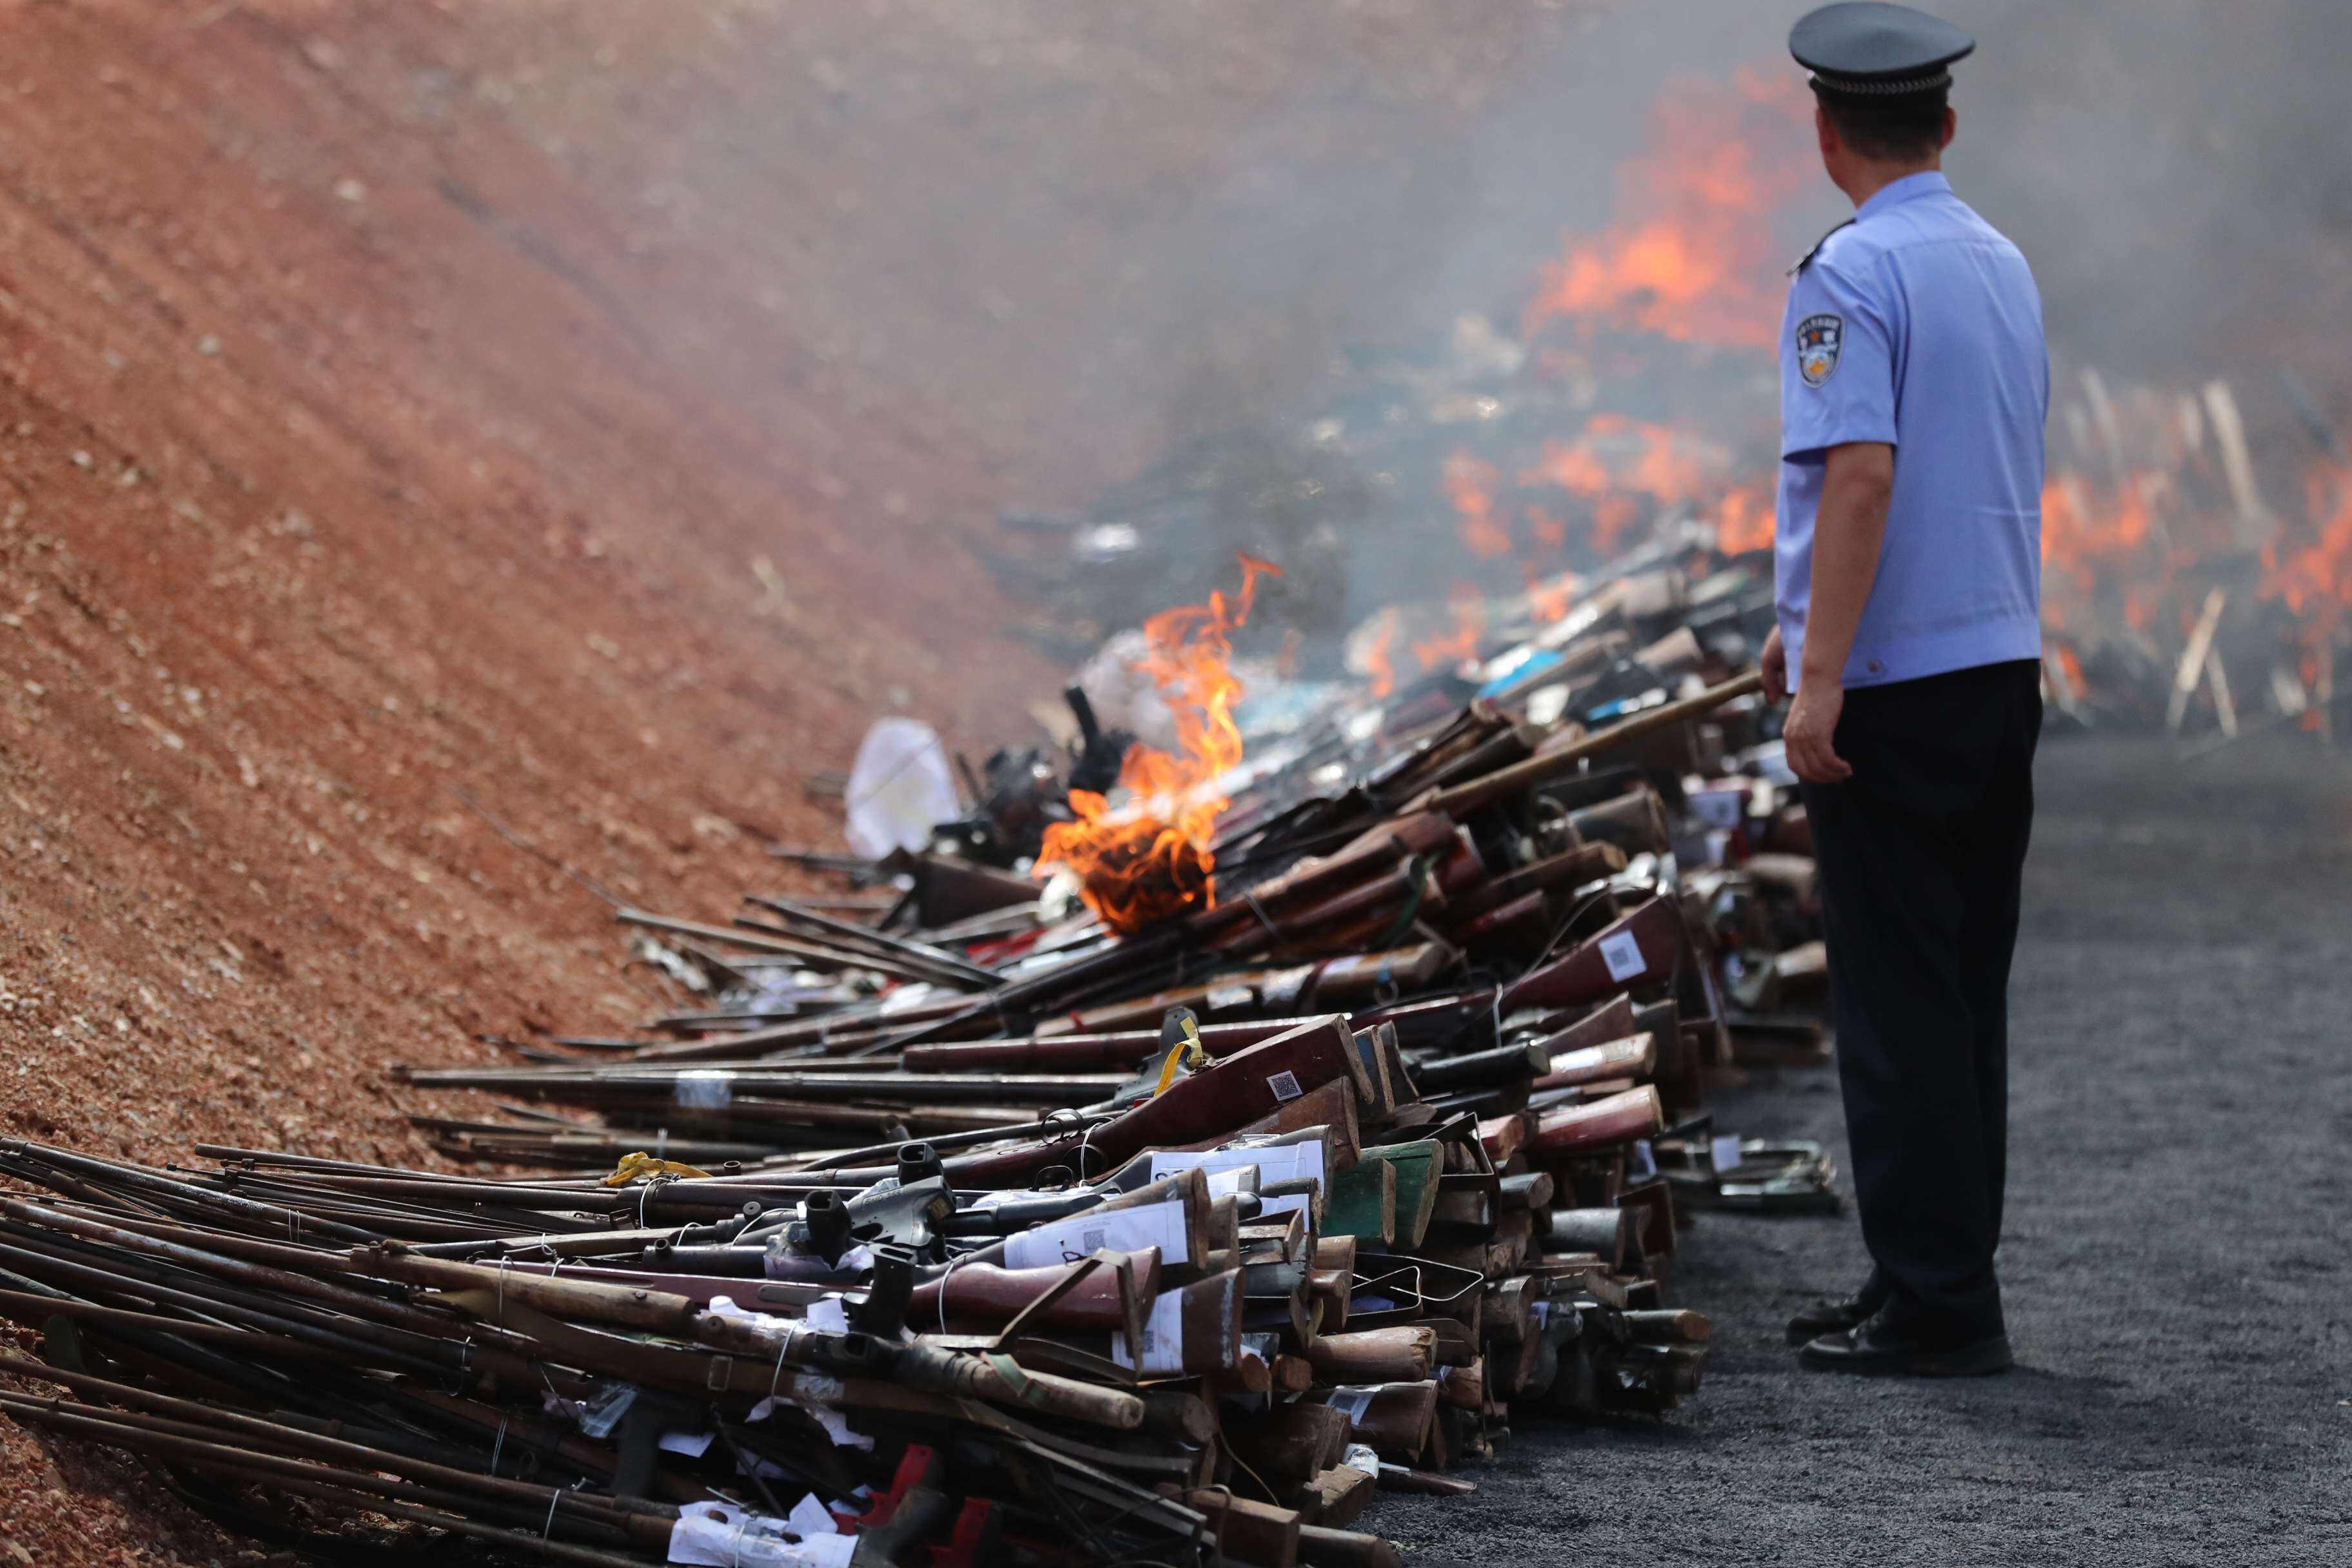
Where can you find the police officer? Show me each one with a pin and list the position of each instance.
(1914, 382)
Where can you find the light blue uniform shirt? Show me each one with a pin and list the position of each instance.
(1918, 324)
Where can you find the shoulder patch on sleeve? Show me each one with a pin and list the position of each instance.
(1819, 339)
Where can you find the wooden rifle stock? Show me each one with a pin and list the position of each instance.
(1396, 1419)
(985, 1293)
(1245, 1089)
(1374, 1355)
(1605, 963)
(1604, 1124)
(1636, 1057)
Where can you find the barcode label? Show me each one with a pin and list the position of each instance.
(1284, 1085)
(1622, 954)
(1163, 1339)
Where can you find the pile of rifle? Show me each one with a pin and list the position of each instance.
(975, 1236)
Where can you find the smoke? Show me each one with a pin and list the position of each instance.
(1093, 234)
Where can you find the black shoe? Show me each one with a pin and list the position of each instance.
(1836, 1315)
(1880, 1349)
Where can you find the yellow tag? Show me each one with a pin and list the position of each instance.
(1186, 1053)
(641, 1163)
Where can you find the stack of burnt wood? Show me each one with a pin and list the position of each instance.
(991, 1233)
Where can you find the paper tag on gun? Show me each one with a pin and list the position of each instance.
(721, 1535)
(1284, 1085)
(1725, 1154)
(1158, 1225)
(1622, 954)
(1163, 1339)
(1352, 1402)
(704, 1088)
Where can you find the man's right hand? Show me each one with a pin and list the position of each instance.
(1774, 663)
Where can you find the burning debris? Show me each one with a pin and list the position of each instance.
(1345, 1117)
(1264, 1097)
(1153, 861)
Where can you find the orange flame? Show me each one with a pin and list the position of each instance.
(1470, 486)
(1743, 521)
(1153, 859)
(1462, 642)
(1549, 600)
(1689, 255)
(2070, 664)
(1376, 659)
(2316, 580)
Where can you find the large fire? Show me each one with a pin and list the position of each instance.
(1694, 216)
(1151, 860)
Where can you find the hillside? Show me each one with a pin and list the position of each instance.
(561, 409)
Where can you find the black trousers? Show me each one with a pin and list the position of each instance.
(1920, 855)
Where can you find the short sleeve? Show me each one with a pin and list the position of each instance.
(1837, 365)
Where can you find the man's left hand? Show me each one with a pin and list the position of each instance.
(1812, 728)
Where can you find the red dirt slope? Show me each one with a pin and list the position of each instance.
(556, 403)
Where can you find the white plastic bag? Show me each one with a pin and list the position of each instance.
(900, 787)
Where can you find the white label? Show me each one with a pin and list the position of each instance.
(1641, 1163)
(811, 1517)
(704, 1088)
(1622, 954)
(1275, 1162)
(1259, 1345)
(1221, 997)
(1226, 1183)
(1163, 1339)
(1277, 993)
(828, 1313)
(1159, 1225)
(693, 1445)
(1352, 1402)
(1282, 1203)
(720, 1535)
(903, 997)
(837, 1427)
(1726, 1152)
(1359, 1457)
(1541, 1311)
(1284, 1085)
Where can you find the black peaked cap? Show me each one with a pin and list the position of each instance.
(1870, 49)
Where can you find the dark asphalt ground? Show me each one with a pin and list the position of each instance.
(2176, 1264)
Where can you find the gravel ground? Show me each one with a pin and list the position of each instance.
(2175, 1260)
